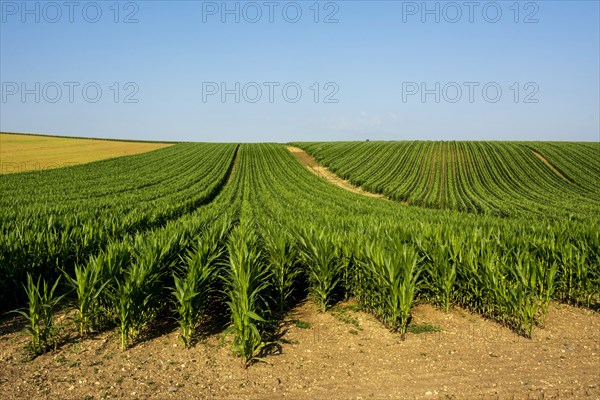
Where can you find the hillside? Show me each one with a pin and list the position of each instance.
(183, 268)
(503, 178)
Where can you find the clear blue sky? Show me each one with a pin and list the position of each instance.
(374, 63)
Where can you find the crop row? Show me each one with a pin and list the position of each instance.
(388, 255)
(276, 232)
(54, 219)
(486, 177)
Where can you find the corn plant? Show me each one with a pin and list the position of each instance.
(110, 265)
(138, 295)
(582, 276)
(442, 275)
(42, 302)
(320, 255)
(357, 275)
(395, 271)
(577, 283)
(546, 287)
(345, 253)
(193, 285)
(281, 255)
(493, 294)
(185, 295)
(88, 287)
(135, 297)
(469, 282)
(247, 279)
(522, 295)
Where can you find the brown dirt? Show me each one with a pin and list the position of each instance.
(342, 355)
(316, 168)
(552, 167)
(21, 153)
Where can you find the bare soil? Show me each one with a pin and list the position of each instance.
(341, 354)
(552, 167)
(317, 169)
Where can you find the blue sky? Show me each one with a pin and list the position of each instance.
(346, 70)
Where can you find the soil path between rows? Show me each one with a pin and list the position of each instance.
(309, 162)
(552, 167)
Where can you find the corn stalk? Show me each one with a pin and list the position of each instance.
(247, 279)
(320, 255)
(39, 314)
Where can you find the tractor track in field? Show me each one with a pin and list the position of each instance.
(313, 166)
(552, 167)
(232, 166)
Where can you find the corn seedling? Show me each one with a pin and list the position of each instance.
(247, 278)
(193, 285)
(547, 287)
(88, 288)
(442, 274)
(138, 294)
(281, 259)
(395, 271)
(40, 313)
(135, 297)
(319, 254)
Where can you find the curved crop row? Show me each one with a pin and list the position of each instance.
(502, 178)
(386, 255)
(276, 231)
(54, 219)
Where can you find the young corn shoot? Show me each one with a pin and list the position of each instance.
(395, 270)
(247, 279)
(137, 296)
(88, 287)
(319, 254)
(281, 258)
(193, 285)
(39, 314)
(442, 273)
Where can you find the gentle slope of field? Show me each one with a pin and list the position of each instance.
(332, 178)
(72, 205)
(240, 251)
(502, 178)
(21, 153)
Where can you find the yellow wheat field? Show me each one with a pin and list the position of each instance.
(20, 153)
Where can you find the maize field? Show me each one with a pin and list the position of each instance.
(246, 232)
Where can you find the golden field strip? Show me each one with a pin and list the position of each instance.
(21, 153)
